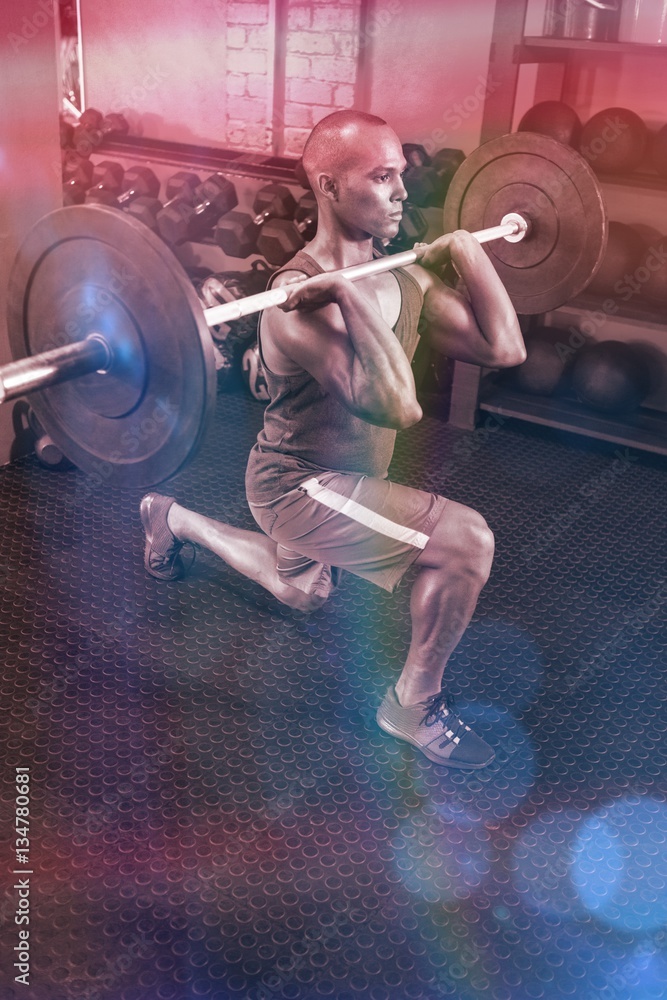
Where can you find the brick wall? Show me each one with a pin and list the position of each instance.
(321, 64)
(321, 46)
(249, 75)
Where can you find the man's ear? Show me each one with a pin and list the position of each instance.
(328, 186)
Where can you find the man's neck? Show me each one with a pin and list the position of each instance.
(335, 250)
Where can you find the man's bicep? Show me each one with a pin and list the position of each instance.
(451, 325)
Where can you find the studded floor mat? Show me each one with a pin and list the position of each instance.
(211, 809)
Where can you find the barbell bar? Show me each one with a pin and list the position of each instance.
(95, 354)
(130, 391)
(512, 227)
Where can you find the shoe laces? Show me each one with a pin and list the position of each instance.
(162, 561)
(439, 709)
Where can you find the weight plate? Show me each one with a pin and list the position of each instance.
(555, 189)
(92, 269)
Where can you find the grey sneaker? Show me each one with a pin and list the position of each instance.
(434, 729)
(163, 554)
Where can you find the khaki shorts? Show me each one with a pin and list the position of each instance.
(372, 527)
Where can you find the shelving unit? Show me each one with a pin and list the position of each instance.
(645, 429)
(471, 390)
(537, 48)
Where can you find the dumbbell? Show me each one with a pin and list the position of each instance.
(66, 133)
(305, 216)
(94, 119)
(412, 229)
(415, 155)
(78, 176)
(280, 239)
(230, 286)
(75, 167)
(107, 182)
(46, 450)
(427, 183)
(136, 183)
(188, 218)
(93, 127)
(146, 208)
(238, 233)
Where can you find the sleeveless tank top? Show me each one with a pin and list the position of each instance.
(306, 430)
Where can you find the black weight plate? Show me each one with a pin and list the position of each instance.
(91, 269)
(556, 190)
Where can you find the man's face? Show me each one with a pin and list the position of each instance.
(370, 187)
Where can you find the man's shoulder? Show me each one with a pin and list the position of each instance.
(420, 276)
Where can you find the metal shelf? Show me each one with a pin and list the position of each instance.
(256, 165)
(642, 179)
(537, 48)
(635, 309)
(644, 429)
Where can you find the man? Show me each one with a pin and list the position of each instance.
(337, 358)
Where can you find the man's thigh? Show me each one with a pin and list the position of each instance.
(374, 528)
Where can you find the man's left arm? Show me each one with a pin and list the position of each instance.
(481, 328)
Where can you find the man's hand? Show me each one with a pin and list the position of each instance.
(480, 326)
(308, 294)
(434, 256)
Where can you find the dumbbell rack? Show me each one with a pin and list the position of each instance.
(181, 155)
(246, 170)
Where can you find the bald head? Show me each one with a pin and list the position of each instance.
(337, 142)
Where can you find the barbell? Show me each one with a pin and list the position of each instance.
(113, 344)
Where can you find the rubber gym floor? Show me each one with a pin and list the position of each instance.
(213, 811)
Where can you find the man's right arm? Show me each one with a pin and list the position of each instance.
(332, 331)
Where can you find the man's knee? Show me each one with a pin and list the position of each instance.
(462, 540)
(480, 538)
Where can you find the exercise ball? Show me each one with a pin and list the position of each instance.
(624, 253)
(547, 354)
(553, 118)
(611, 376)
(614, 141)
